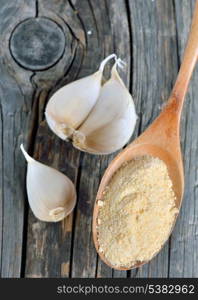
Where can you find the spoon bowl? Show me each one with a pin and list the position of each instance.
(161, 139)
(133, 151)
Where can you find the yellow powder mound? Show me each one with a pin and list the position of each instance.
(137, 212)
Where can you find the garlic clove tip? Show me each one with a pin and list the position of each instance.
(103, 63)
(28, 158)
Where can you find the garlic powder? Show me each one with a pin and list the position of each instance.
(139, 212)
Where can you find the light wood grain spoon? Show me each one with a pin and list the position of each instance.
(162, 138)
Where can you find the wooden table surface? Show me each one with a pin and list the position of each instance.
(150, 36)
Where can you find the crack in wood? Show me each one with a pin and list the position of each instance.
(80, 19)
(36, 8)
(1, 189)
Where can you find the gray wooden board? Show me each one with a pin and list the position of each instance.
(154, 70)
(150, 36)
(16, 99)
(184, 241)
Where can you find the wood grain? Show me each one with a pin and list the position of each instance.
(54, 261)
(154, 71)
(16, 99)
(150, 36)
(184, 242)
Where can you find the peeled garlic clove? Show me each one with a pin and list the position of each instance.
(111, 123)
(51, 194)
(69, 106)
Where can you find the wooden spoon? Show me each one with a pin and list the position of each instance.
(162, 138)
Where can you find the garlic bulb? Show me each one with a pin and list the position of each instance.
(70, 105)
(51, 194)
(99, 119)
(112, 120)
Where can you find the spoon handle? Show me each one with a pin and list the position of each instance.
(186, 69)
(165, 130)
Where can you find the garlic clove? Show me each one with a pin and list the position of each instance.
(70, 105)
(111, 123)
(51, 194)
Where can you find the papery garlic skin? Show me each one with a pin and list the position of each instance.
(111, 123)
(51, 194)
(69, 106)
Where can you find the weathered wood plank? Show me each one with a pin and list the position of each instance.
(118, 14)
(103, 270)
(84, 255)
(15, 105)
(1, 185)
(104, 27)
(184, 242)
(49, 246)
(154, 71)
